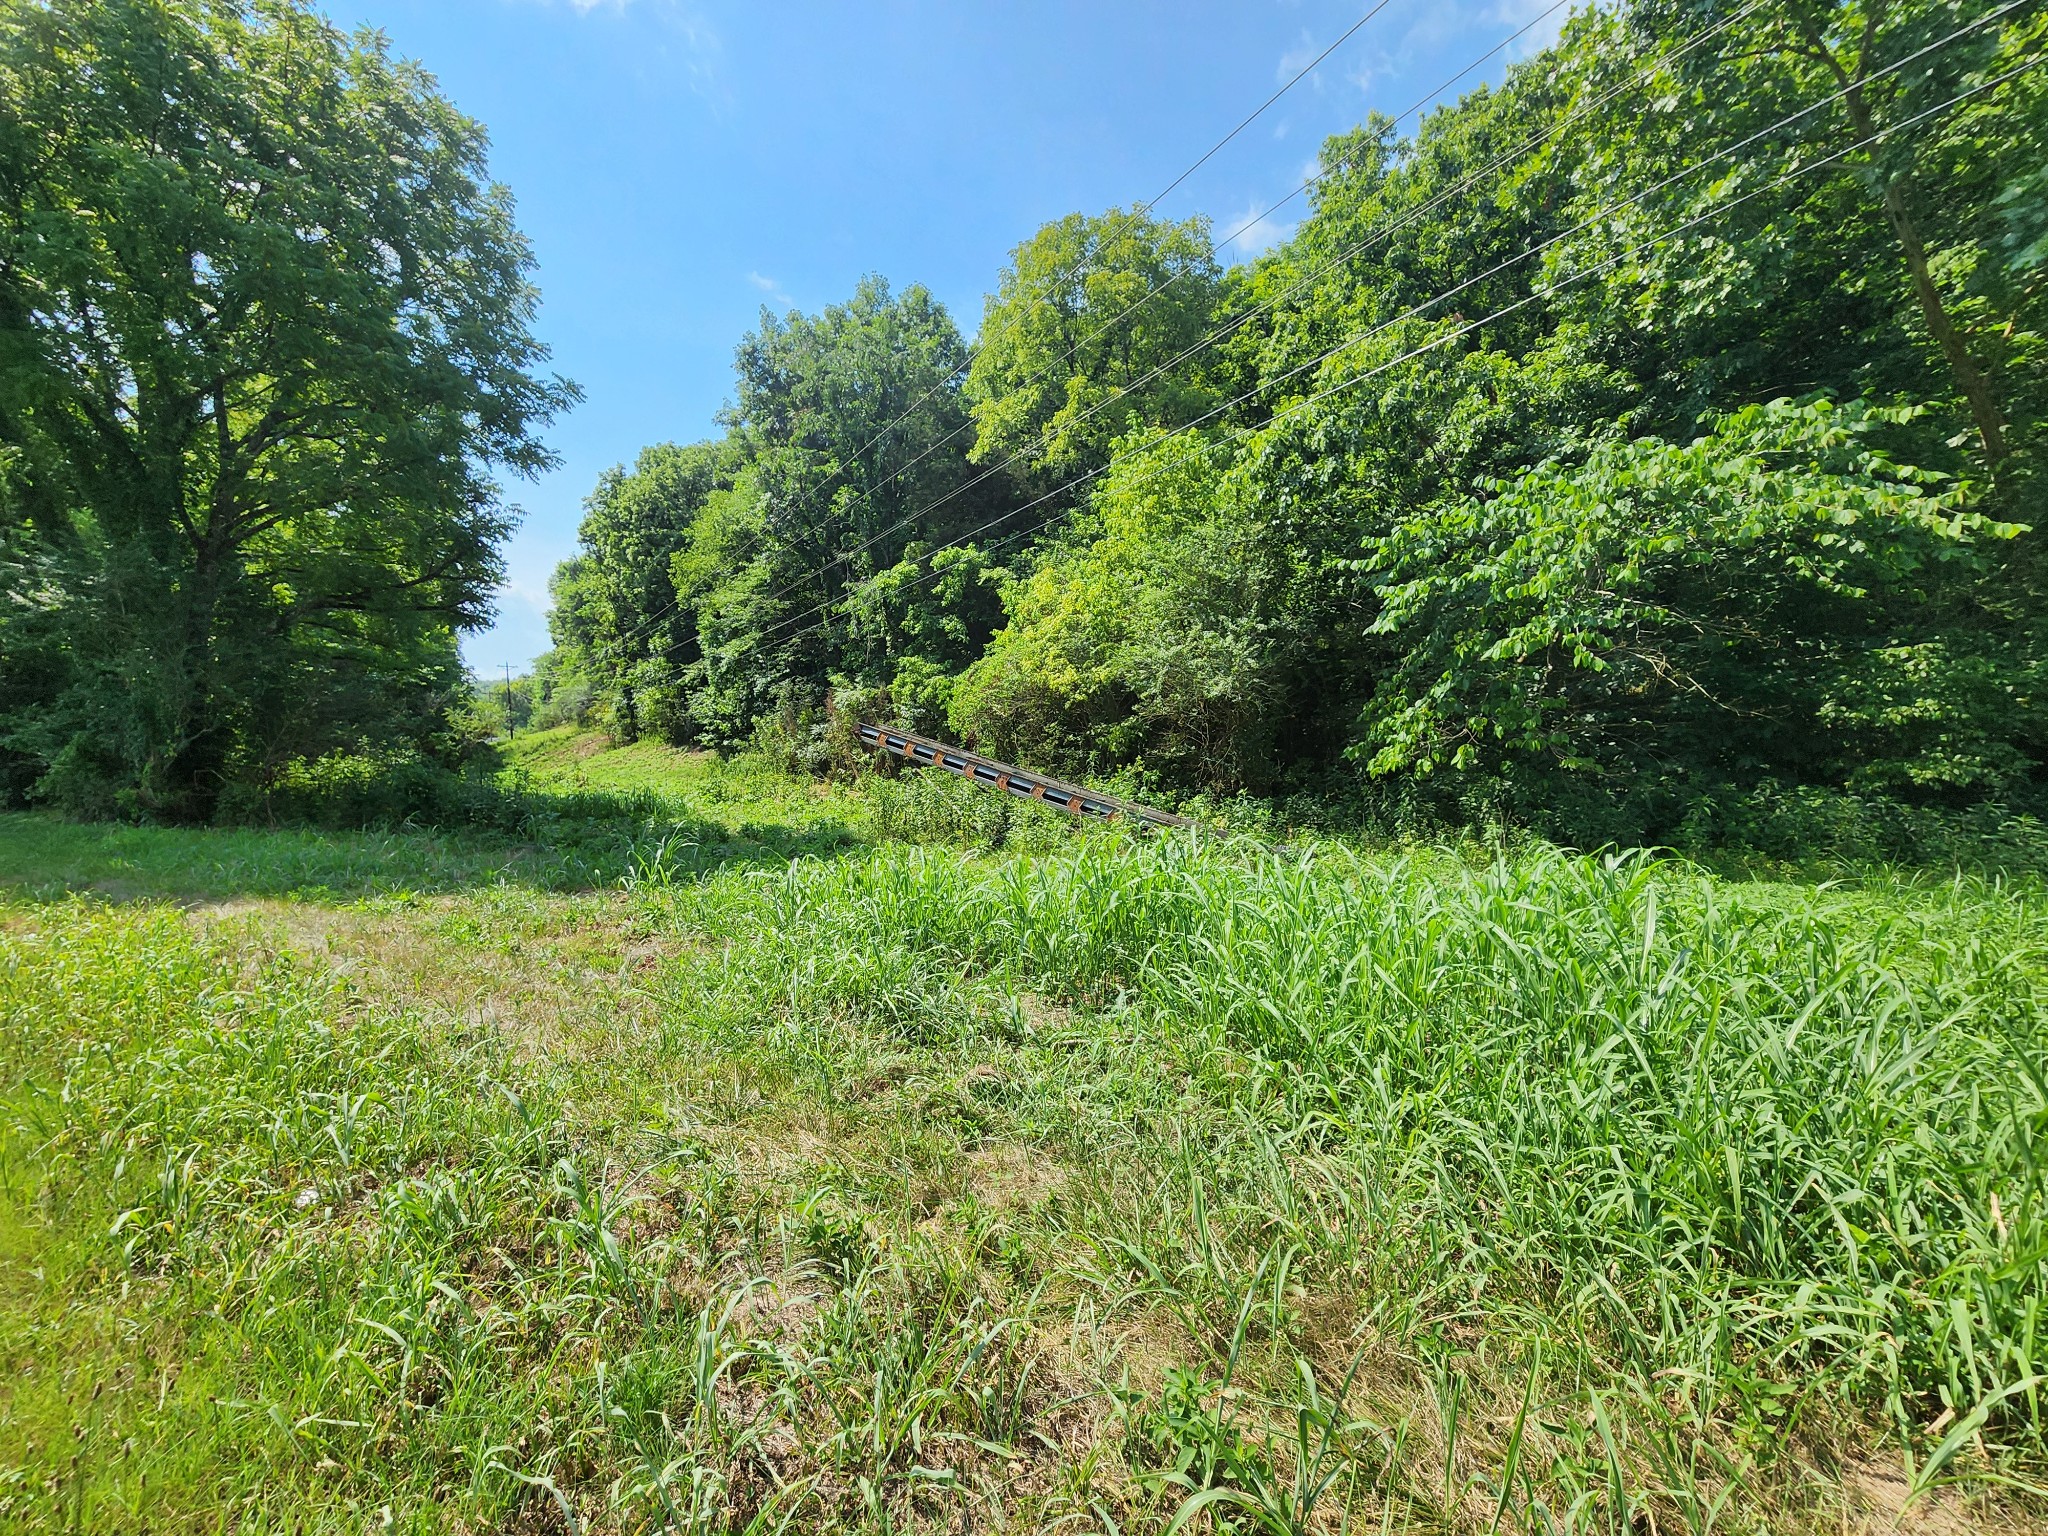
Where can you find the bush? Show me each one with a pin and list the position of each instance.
(363, 792)
(357, 790)
(1802, 824)
(566, 704)
(930, 806)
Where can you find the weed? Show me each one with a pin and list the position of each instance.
(1092, 1184)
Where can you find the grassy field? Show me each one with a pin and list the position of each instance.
(793, 1159)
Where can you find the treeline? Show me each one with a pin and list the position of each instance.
(1661, 428)
(1652, 438)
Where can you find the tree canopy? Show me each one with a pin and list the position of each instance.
(1657, 428)
(265, 328)
(1095, 323)
(1660, 425)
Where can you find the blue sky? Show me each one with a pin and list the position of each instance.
(680, 164)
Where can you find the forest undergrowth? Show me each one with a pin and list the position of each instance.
(762, 1181)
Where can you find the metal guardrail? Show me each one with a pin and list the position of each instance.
(1071, 798)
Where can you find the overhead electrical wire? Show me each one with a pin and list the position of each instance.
(1223, 332)
(1372, 237)
(1145, 208)
(1471, 326)
(1249, 224)
(1299, 75)
(1461, 331)
(1432, 302)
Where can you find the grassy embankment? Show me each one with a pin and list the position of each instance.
(415, 1180)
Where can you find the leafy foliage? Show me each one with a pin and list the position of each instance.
(1087, 331)
(1658, 428)
(727, 581)
(1144, 638)
(1729, 594)
(1655, 429)
(264, 325)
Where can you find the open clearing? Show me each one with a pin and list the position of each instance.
(407, 1181)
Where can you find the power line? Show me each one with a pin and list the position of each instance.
(1468, 327)
(1299, 76)
(1250, 223)
(1415, 310)
(1141, 211)
(1145, 298)
(1377, 236)
(1481, 277)
(1223, 332)
(1321, 173)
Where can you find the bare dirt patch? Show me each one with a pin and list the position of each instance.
(1009, 1177)
(1879, 1503)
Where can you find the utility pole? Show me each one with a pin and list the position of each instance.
(508, 701)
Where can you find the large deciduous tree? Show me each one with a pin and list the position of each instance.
(1673, 427)
(1901, 130)
(856, 435)
(1095, 322)
(265, 331)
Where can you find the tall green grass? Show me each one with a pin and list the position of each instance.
(1125, 1185)
(930, 806)
(1744, 1138)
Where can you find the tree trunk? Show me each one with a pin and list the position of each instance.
(1970, 379)
(194, 772)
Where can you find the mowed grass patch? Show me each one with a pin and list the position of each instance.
(44, 856)
(210, 1160)
(739, 789)
(894, 803)
(1085, 1191)
(669, 816)
(399, 1264)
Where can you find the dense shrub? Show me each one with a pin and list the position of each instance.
(928, 806)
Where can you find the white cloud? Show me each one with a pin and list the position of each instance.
(1366, 74)
(1254, 231)
(772, 288)
(1514, 14)
(585, 7)
(700, 50)
(1484, 22)
(1266, 221)
(517, 634)
(1298, 58)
